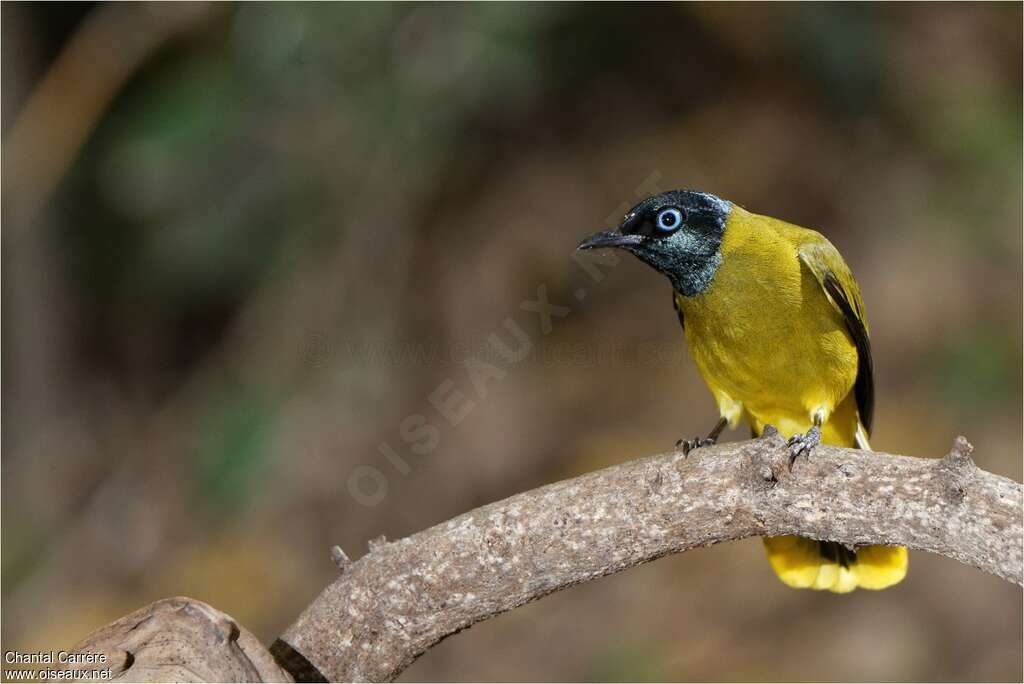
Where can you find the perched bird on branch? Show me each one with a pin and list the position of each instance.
(774, 320)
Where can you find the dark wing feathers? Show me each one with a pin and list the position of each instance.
(827, 265)
(864, 386)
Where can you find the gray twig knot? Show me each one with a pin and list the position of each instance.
(763, 470)
(959, 455)
(771, 437)
(848, 469)
(958, 469)
(653, 479)
(340, 558)
(768, 459)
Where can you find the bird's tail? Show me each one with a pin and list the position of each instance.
(809, 564)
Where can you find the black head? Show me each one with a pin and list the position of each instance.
(678, 233)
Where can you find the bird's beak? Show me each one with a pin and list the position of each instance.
(610, 238)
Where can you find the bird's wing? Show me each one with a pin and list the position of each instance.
(835, 278)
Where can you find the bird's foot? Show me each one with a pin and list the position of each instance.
(688, 445)
(801, 445)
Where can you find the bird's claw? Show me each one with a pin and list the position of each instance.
(688, 445)
(801, 445)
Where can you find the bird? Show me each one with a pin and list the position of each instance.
(774, 320)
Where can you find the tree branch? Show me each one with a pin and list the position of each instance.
(396, 602)
(176, 639)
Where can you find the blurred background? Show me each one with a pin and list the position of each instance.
(243, 243)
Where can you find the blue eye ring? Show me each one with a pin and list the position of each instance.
(669, 220)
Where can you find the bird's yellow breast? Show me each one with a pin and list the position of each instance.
(765, 337)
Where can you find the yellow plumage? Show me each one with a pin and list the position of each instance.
(773, 346)
(775, 323)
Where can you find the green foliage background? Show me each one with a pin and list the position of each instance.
(296, 220)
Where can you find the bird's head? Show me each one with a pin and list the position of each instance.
(678, 233)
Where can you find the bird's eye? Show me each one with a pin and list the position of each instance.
(669, 220)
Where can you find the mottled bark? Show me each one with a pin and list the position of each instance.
(403, 597)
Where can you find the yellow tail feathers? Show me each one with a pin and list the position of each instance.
(809, 564)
